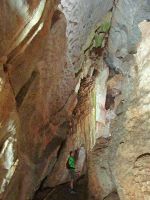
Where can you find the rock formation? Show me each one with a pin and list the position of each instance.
(74, 75)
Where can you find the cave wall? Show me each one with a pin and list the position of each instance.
(82, 16)
(39, 89)
(131, 127)
(31, 75)
(54, 95)
(121, 160)
(132, 178)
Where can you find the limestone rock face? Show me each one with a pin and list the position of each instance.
(133, 152)
(82, 126)
(74, 76)
(119, 163)
(82, 16)
(38, 88)
(127, 15)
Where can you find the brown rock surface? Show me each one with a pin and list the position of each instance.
(55, 97)
(36, 70)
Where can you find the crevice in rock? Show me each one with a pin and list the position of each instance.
(112, 196)
(23, 91)
(61, 148)
(101, 144)
(62, 191)
(55, 17)
(78, 73)
(143, 156)
(5, 67)
(42, 191)
(109, 101)
(51, 147)
(45, 127)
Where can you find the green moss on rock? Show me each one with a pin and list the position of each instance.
(105, 27)
(99, 40)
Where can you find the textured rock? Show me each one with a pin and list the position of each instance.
(55, 97)
(30, 85)
(82, 16)
(40, 87)
(112, 196)
(131, 153)
(83, 119)
(130, 125)
(9, 129)
(78, 136)
(127, 15)
(101, 180)
(20, 17)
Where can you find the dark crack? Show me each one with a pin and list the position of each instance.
(23, 91)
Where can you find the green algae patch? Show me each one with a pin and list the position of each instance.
(98, 40)
(104, 28)
(98, 33)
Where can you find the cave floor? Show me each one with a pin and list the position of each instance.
(62, 192)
